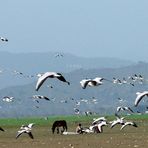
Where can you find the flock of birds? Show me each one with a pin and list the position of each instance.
(85, 83)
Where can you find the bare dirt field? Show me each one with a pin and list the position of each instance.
(130, 137)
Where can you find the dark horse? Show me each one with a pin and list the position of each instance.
(57, 124)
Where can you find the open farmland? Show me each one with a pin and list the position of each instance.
(43, 137)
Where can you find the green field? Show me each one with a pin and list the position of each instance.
(43, 137)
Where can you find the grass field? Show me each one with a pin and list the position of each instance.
(43, 138)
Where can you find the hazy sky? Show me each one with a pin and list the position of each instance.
(100, 28)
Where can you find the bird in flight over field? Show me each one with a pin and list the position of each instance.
(46, 75)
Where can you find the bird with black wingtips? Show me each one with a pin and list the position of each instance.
(119, 120)
(92, 82)
(25, 129)
(124, 108)
(46, 75)
(3, 39)
(40, 97)
(128, 123)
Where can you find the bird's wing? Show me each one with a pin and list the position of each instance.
(42, 79)
(30, 135)
(84, 83)
(113, 124)
(139, 98)
(2, 129)
(100, 128)
(123, 126)
(30, 125)
(46, 98)
(128, 108)
(118, 108)
(61, 78)
(20, 133)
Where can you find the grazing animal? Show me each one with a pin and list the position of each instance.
(59, 123)
(140, 96)
(46, 75)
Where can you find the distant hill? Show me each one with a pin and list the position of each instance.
(33, 63)
(64, 97)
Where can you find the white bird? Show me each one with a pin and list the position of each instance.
(116, 81)
(91, 82)
(40, 97)
(128, 123)
(98, 120)
(140, 96)
(8, 99)
(100, 126)
(25, 129)
(124, 108)
(46, 75)
(3, 39)
(119, 120)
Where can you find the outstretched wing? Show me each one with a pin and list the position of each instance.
(46, 98)
(84, 83)
(139, 97)
(2, 129)
(61, 78)
(42, 79)
(20, 133)
(30, 135)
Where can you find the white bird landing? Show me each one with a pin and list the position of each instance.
(128, 123)
(25, 129)
(98, 120)
(119, 120)
(140, 96)
(46, 75)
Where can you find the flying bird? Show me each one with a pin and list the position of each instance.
(98, 120)
(25, 129)
(124, 108)
(46, 75)
(140, 96)
(92, 82)
(3, 39)
(8, 99)
(119, 120)
(40, 97)
(128, 123)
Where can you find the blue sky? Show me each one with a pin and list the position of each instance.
(97, 28)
